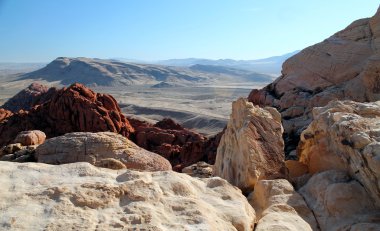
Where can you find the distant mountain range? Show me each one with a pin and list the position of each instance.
(101, 72)
(271, 65)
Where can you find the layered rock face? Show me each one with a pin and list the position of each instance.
(345, 135)
(179, 145)
(340, 203)
(344, 66)
(251, 147)
(279, 207)
(103, 149)
(83, 197)
(71, 109)
(34, 94)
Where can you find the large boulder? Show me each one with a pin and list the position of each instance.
(345, 135)
(34, 137)
(279, 207)
(340, 203)
(179, 145)
(34, 94)
(344, 66)
(251, 148)
(79, 196)
(72, 109)
(104, 149)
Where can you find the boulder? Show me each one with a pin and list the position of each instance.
(97, 149)
(340, 203)
(279, 207)
(251, 148)
(345, 66)
(34, 137)
(200, 169)
(79, 196)
(72, 109)
(345, 135)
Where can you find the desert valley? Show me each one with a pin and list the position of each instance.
(290, 142)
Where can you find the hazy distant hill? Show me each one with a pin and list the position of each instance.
(109, 72)
(115, 73)
(271, 65)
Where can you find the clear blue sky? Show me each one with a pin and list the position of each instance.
(41, 30)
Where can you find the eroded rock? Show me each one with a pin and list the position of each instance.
(345, 135)
(99, 149)
(80, 196)
(251, 148)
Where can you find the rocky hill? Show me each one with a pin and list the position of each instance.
(100, 72)
(344, 66)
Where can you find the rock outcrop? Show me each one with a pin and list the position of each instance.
(279, 207)
(17, 152)
(340, 203)
(80, 196)
(344, 66)
(345, 135)
(34, 94)
(72, 109)
(179, 145)
(251, 148)
(34, 137)
(4, 114)
(104, 149)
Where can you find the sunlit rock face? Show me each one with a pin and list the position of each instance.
(80, 196)
(344, 66)
(251, 148)
(345, 135)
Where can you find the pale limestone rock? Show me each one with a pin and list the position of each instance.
(79, 196)
(33, 137)
(345, 135)
(95, 147)
(251, 148)
(340, 203)
(279, 207)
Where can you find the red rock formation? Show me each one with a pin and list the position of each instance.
(72, 109)
(179, 145)
(4, 114)
(33, 95)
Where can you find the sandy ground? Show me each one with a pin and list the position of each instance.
(203, 108)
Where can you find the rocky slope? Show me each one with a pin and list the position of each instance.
(344, 66)
(71, 109)
(80, 196)
(251, 148)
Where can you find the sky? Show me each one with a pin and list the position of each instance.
(41, 30)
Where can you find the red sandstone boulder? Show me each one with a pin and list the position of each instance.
(72, 109)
